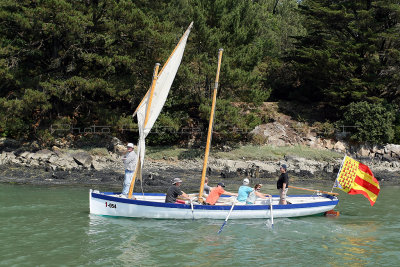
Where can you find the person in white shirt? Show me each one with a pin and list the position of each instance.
(251, 199)
(130, 160)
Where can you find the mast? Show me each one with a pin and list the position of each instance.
(137, 169)
(210, 127)
(152, 103)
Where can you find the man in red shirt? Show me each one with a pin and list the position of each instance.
(216, 192)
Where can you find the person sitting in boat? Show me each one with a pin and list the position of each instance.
(129, 160)
(251, 199)
(244, 192)
(216, 192)
(282, 185)
(207, 189)
(174, 191)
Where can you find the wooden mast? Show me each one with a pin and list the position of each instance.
(153, 85)
(210, 128)
(151, 92)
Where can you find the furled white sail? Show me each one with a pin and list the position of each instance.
(163, 84)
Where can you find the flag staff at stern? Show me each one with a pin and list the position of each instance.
(210, 128)
(356, 178)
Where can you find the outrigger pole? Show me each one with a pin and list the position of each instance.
(210, 128)
(137, 169)
(317, 191)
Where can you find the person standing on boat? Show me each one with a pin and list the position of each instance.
(282, 185)
(216, 192)
(130, 160)
(244, 191)
(174, 191)
(251, 199)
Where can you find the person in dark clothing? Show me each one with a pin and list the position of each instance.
(282, 185)
(174, 191)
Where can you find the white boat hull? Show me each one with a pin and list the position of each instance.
(153, 206)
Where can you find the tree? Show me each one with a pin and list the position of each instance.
(372, 122)
(90, 62)
(350, 52)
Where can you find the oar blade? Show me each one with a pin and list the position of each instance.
(227, 217)
(222, 226)
(191, 206)
(272, 215)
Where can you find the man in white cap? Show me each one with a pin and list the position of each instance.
(174, 191)
(130, 160)
(244, 191)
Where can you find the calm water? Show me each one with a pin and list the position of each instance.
(51, 226)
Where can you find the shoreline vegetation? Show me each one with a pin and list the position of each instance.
(68, 66)
(246, 152)
(101, 167)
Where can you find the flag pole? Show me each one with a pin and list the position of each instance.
(341, 166)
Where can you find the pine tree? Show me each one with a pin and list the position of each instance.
(350, 52)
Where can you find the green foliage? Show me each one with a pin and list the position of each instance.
(267, 152)
(396, 138)
(45, 137)
(166, 129)
(21, 117)
(173, 153)
(92, 61)
(372, 122)
(87, 63)
(230, 122)
(259, 139)
(325, 129)
(350, 52)
(255, 96)
(99, 151)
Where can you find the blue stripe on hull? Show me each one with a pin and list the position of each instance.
(107, 196)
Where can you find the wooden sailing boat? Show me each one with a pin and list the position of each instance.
(152, 205)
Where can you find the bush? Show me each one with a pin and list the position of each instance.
(396, 138)
(255, 96)
(259, 139)
(166, 129)
(230, 123)
(45, 138)
(325, 129)
(372, 122)
(20, 117)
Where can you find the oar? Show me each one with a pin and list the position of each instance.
(272, 216)
(191, 205)
(227, 217)
(318, 191)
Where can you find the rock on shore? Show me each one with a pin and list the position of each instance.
(79, 167)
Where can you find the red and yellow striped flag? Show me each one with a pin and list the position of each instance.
(356, 178)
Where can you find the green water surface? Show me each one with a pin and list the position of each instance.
(51, 226)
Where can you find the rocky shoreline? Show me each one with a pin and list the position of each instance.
(57, 167)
